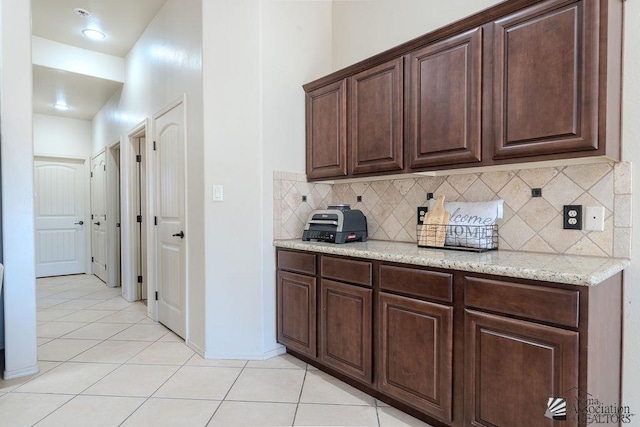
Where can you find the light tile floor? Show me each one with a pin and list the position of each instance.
(104, 362)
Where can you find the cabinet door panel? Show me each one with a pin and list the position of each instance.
(326, 110)
(545, 88)
(445, 110)
(375, 118)
(513, 367)
(345, 329)
(415, 340)
(297, 312)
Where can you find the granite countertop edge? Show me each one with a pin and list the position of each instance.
(567, 269)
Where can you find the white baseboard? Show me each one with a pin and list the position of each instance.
(245, 356)
(10, 375)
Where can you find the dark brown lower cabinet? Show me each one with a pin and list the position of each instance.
(346, 329)
(415, 353)
(297, 312)
(513, 367)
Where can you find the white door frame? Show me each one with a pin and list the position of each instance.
(152, 237)
(129, 212)
(113, 206)
(87, 200)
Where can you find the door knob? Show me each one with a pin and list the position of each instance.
(79, 223)
(180, 235)
(97, 223)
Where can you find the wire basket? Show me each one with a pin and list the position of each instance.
(478, 238)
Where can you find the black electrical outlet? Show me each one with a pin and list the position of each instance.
(572, 217)
(304, 198)
(358, 199)
(429, 196)
(536, 192)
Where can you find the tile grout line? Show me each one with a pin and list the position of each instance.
(304, 380)
(159, 387)
(226, 394)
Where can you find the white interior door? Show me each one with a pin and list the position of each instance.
(99, 216)
(59, 217)
(170, 214)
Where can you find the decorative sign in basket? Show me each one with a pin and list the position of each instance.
(464, 225)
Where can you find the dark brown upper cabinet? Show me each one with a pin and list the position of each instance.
(446, 102)
(545, 80)
(522, 81)
(376, 119)
(327, 131)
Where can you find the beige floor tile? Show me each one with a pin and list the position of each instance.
(49, 314)
(63, 349)
(78, 304)
(124, 317)
(197, 360)
(116, 303)
(392, 417)
(85, 411)
(169, 336)
(58, 329)
(46, 292)
(381, 404)
(198, 382)
(253, 414)
(26, 409)
(164, 353)
(284, 361)
(86, 315)
(141, 333)
(145, 321)
(43, 341)
(323, 388)
(335, 415)
(137, 306)
(268, 385)
(9, 385)
(43, 303)
(104, 294)
(68, 378)
(172, 412)
(112, 351)
(99, 331)
(75, 293)
(132, 381)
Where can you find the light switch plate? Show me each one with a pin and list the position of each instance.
(218, 194)
(594, 218)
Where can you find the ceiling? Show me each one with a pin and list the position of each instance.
(123, 22)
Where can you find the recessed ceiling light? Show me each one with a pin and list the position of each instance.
(82, 12)
(61, 106)
(93, 34)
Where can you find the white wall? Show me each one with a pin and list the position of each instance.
(61, 137)
(163, 65)
(631, 153)
(362, 29)
(296, 49)
(257, 54)
(17, 189)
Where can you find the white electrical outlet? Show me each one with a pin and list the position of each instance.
(594, 218)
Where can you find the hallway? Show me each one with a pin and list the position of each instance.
(103, 362)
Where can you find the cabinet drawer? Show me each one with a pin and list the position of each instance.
(346, 270)
(417, 283)
(558, 306)
(297, 261)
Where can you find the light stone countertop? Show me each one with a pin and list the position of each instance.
(568, 269)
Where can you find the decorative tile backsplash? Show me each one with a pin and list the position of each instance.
(531, 224)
